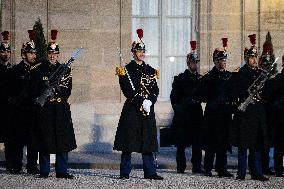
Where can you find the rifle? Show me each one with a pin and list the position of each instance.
(53, 81)
(255, 89)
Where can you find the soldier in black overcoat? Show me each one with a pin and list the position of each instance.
(217, 115)
(188, 116)
(5, 70)
(265, 62)
(22, 113)
(275, 97)
(136, 131)
(249, 129)
(54, 132)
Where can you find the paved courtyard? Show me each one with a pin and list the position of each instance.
(98, 170)
(108, 178)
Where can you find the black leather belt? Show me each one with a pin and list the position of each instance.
(57, 100)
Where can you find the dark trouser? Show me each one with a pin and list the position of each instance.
(32, 157)
(265, 159)
(17, 158)
(221, 160)
(250, 162)
(149, 166)
(256, 168)
(278, 160)
(61, 163)
(9, 155)
(195, 159)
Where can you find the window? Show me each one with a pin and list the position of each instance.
(167, 26)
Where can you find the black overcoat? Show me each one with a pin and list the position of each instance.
(274, 95)
(218, 113)
(188, 116)
(54, 132)
(249, 128)
(4, 104)
(136, 132)
(22, 115)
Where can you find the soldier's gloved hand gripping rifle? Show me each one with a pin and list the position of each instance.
(256, 87)
(55, 78)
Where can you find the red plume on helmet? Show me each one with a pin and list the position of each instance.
(138, 45)
(5, 35)
(139, 33)
(53, 34)
(225, 42)
(32, 35)
(52, 46)
(193, 45)
(4, 45)
(252, 39)
(266, 48)
(193, 55)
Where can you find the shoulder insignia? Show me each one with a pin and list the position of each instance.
(9, 65)
(237, 69)
(157, 73)
(44, 78)
(120, 71)
(205, 73)
(273, 76)
(35, 66)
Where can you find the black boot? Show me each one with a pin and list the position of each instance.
(198, 171)
(43, 175)
(180, 171)
(16, 171)
(240, 178)
(208, 173)
(225, 174)
(64, 175)
(260, 178)
(153, 177)
(124, 176)
(268, 172)
(33, 170)
(279, 174)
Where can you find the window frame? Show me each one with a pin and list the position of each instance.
(162, 19)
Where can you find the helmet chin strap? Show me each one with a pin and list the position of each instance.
(192, 70)
(136, 57)
(219, 67)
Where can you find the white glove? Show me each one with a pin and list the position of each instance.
(146, 105)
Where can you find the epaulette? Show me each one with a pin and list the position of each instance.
(273, 76)
(205, 73)
(200, 76)
(120, 71)
(237, 69)
(157, 73)
(65, 80)
(35, 66)
(9, 65)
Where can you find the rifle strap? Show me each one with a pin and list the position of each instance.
(129, 78)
